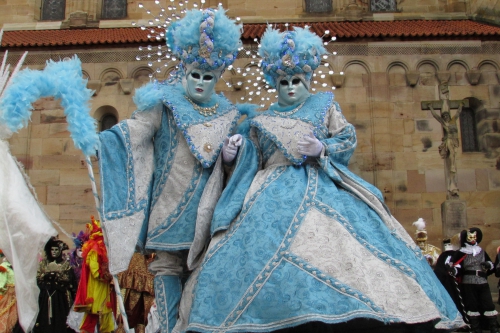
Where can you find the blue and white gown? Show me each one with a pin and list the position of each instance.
(311, 241)
(155, 169)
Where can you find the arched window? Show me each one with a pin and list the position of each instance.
(468, 130)
(114, 9)
(107, 121)
(383, 5)
(53, 10)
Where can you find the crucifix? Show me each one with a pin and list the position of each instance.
(450, 142)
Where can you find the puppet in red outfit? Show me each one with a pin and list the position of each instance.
(472, 266)
(95, 296)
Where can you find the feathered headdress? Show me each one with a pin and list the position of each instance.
(421, 233)
(95, 241)
(94, 229)
(206, 39)
(297, 52)
(80, 239)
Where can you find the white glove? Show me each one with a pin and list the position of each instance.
(309, 145)
(230, 147)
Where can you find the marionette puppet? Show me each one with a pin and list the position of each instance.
(75, 254)
(160, 171)
(311, 247)
(471, 265)
(447, 280)
(76, 261)
(430, 251)
(57, 284)
(137, 285)
(96, 296)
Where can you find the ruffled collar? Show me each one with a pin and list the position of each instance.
(471, 249)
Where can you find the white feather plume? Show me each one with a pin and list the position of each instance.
(419, 224)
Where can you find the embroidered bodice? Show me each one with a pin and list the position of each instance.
(282, 128)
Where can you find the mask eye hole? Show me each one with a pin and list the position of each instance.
(284, 82)
(295, 81)
(195, 75)
(207, 77)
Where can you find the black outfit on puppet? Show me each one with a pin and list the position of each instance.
(442, 272)
(472, 266)
(56, 280)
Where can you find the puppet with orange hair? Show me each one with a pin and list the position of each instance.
(95, 296)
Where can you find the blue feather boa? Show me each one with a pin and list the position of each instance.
(62, 80)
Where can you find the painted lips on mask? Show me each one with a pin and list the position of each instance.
(292, 91)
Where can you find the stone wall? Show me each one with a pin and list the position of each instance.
(486, 10)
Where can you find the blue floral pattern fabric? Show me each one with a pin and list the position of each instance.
(154, 168)
(311, 241)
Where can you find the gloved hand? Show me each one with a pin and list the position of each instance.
(485, 266)
(451, 270)
(310, 145)
(230, 147)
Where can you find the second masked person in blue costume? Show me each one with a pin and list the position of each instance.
(161, 173)
(312, 244)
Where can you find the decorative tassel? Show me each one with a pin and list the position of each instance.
(49, 303)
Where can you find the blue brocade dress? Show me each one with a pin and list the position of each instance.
(311, 241)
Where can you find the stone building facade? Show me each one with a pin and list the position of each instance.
(380, 83)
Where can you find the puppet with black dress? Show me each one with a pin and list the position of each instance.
(471, 265)
(56, 280)
(442, 272)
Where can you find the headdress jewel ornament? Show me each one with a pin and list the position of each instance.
(205, 39)
(295, 52)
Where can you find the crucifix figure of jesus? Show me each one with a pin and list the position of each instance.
(450, 141)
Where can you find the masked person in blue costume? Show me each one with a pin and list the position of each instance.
(312, 247)
(161, 168)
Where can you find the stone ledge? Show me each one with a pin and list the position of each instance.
(53, 25)
(19, 26)
(119, 24)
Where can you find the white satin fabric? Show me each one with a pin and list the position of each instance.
(24, 230)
